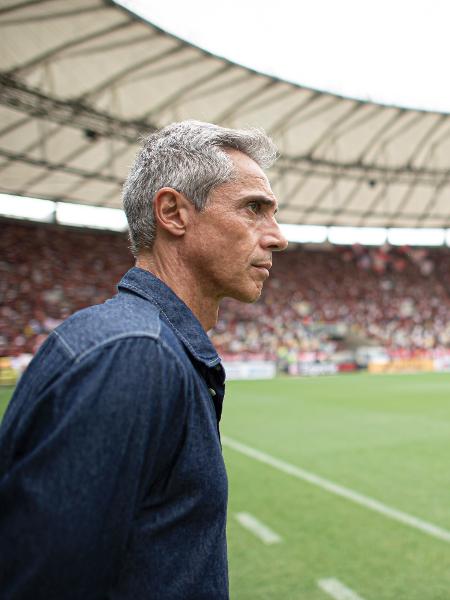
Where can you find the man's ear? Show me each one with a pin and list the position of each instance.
(172, 210)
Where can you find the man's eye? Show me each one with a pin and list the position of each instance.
(254, 206)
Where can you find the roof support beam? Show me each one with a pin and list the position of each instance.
(55, 15)
(20, 6)
(76, 114)
(59, 167)
(79, 115)
(57, 50)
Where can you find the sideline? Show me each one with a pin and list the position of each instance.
(337, 590)
(261, 531)
(338, 490)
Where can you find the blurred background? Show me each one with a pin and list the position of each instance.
(342, 367)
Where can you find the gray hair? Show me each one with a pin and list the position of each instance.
(189, 157)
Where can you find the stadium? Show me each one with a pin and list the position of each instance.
(336, 422)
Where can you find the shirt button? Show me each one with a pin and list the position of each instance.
(212, 391)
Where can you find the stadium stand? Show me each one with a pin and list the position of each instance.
(343, 162)
(319, 300)
(47, 273)
(398, 297)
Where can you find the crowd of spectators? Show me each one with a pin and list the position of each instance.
(47, 273)
(396, 297)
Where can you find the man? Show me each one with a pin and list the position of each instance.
(112, 478)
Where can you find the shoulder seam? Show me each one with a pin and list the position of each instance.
(115, 338)
(65, 345)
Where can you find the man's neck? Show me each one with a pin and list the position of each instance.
(181, 281)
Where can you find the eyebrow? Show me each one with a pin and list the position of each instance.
(264, 200)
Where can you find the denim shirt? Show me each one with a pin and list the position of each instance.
(112, 481)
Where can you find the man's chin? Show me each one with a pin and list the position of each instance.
(248, 296)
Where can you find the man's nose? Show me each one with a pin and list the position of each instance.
(273, 238)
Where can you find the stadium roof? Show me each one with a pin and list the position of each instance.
(81, 81)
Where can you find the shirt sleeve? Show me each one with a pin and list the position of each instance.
(97, 438)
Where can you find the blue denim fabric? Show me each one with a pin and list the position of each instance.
(112, 481)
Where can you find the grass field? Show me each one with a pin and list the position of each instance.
(384, 437)
(5, 395)
(387, 437)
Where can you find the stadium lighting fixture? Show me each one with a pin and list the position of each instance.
(303, 234)
(64, 213)
(401, 236)
(366, 236)
(91, 216)
(99, 217)
(21, 207)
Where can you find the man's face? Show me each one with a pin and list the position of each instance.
(232, 240)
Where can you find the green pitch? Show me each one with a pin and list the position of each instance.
(385, 437)
(5, 395)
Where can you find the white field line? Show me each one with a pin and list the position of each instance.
(261, 531)
(337, 590)
(339, 490)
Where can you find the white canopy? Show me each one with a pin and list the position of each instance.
(80, 81)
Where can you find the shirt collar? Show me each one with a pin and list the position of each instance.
(182, 320)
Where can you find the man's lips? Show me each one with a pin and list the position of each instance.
(263, 266)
